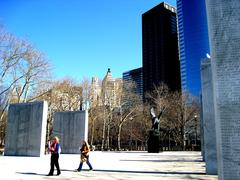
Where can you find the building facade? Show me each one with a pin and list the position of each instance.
(106, 92)
(95, 92)
(135, 76)
(193, 42)
(160, 48)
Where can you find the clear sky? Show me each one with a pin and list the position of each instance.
(81, 38)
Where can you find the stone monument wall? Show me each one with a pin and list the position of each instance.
(208, 120)
(72, 129)
(224, 25)
(202, 130)
(26, 129)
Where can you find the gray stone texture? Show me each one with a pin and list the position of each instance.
(208, 120)
(224, 33)
(72, 128)
(202, 129)
(26, 129)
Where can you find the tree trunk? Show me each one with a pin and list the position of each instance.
(108, 131)
(136, 143)
(26, 93)
(119, 137)
(108, 135)
(183, 145)
(93, 132)
(3, 123)
(130, 145)
(169, 141)
(103, 131)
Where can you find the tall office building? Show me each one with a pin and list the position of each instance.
(193, 42)
(136, 76)
(160, 48)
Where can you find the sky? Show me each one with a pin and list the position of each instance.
(81, 38)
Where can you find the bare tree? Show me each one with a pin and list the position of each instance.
(12, 53)
(107, 124)
(62, 95)
(4, 101)
(107, 98)
(12, 50)
(158, 99)
(143, 120)
(35, 71)
(22, 67)
(86, 92)
(96, 119)
(176, 112)
(181, 117)
(129, 107)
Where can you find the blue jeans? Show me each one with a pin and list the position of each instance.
(88, 163)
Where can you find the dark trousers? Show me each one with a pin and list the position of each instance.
(81, 164)
(54, 162)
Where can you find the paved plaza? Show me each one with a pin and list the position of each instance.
(109, 165)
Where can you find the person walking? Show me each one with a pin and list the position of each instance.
(84, 156)
(54, 150)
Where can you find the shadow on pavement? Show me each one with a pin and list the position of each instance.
(31, 173)
(148, 172)
(122, 171)
(126, 152)
(70, 170)
(178, 160)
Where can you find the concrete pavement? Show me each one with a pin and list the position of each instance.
(108, 166)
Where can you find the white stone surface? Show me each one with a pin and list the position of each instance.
(224, 25)
(209, 132)
(26, 129)
(72, 128)
(109, 165)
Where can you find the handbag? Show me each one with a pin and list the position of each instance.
(83, 158)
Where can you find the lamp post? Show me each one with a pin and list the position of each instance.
(131, 118)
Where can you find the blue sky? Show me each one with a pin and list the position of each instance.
(81, 38)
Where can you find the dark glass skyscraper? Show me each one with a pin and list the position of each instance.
(136, 76)
(160, 48)
(193, 42)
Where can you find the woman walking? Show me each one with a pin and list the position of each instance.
(54, 149)
(84, 156)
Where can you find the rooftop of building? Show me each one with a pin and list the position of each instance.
(162, 5)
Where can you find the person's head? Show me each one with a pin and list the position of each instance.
(55, 139)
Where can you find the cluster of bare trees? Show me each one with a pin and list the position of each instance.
(127, 126)
(25, 76)
(61, 95)
(22, 70)
(179, 117)
(110, 126)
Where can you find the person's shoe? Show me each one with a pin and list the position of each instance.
(91, 169)
(77, 170)
(50, 175)
(58, 173)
